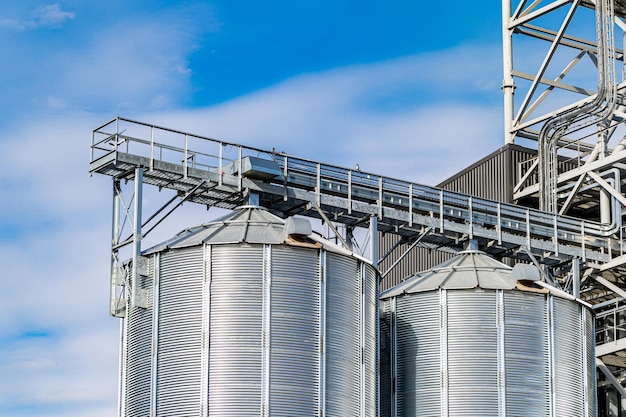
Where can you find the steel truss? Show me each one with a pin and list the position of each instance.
(562, 94)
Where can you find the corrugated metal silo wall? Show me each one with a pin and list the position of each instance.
(493, 178)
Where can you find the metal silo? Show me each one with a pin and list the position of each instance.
(470, 337)
(252, 315)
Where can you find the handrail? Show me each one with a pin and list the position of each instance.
(351, 184)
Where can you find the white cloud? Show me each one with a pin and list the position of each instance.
(51, 15)
(46, 16)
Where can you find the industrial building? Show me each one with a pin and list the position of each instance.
(501, 289)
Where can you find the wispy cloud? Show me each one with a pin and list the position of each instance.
(51, 15)
(46, 16)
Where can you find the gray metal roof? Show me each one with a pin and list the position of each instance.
(252, 224)
(470, 269)
(249, 224)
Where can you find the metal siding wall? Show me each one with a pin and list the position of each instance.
(235, 330)
(180, 333)
(138, 358)
(472, 353)
(494, 176)
(527, 354)
(294, 339)
(343, 350)
(418, 355)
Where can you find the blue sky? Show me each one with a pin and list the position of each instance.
(406, 89)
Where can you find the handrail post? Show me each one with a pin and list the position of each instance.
(411, 204)
(556, 235)
(219, 165)
(349, 191)
(470, 213)
(318, 185)
(239, 169)
(380, 197)
(151, 148)
(441, 211)
(499, 226)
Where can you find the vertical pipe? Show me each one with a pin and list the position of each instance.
(508, 84)
(605, 196)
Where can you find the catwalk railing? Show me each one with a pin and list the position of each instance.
(223, 174)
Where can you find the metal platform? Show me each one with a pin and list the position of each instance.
(206, 171)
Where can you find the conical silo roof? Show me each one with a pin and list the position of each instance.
(246, 224)
(470, 269)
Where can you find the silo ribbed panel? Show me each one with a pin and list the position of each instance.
(138, 357)
(370, 315)
(527, 354)
(418, 380)
(235, 323)
(180, 333)
(569, 365)
(343, 349)
(385, 354)
(294, 332)
(472, 354)
(591, 364)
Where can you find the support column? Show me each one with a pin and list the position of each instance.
(576, 277)
(374, 240)
(136, 234)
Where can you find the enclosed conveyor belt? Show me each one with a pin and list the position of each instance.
(216, 173)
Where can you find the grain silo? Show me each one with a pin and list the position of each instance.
(471, 338)
(252, 315)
